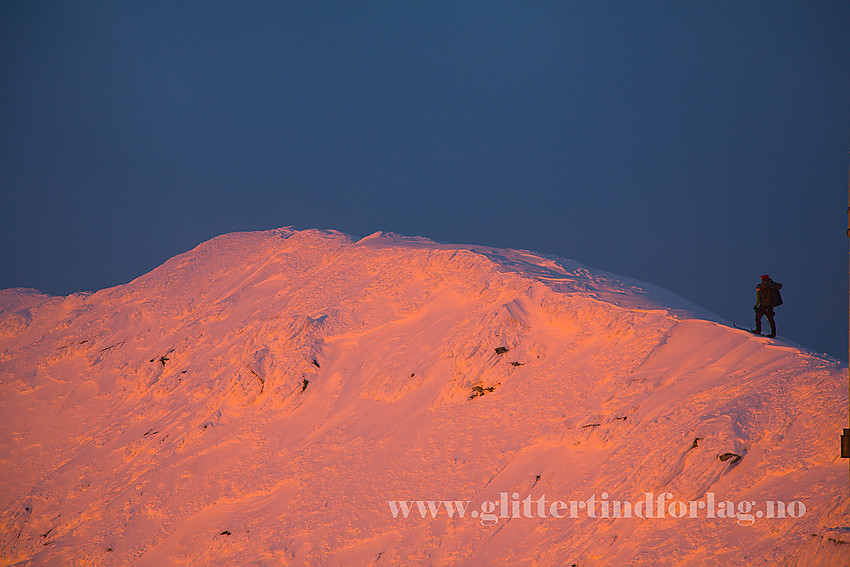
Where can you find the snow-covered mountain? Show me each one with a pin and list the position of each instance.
(288, 397)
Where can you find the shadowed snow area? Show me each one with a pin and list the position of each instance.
(287, 397)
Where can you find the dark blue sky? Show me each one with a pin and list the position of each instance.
(691, 145)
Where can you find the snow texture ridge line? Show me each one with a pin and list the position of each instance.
(260, 398)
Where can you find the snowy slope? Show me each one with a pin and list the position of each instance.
(260, 399)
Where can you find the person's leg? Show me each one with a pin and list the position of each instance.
(759, 313)
(772, 323)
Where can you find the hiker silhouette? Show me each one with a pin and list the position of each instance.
(767, 297)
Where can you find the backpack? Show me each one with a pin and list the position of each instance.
(775, 297)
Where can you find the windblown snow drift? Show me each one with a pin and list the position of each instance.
(287, 398)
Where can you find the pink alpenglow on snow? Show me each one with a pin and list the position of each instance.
(301, 398)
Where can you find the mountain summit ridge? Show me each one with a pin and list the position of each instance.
(263, 397)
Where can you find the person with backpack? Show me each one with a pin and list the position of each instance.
(767, 297)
